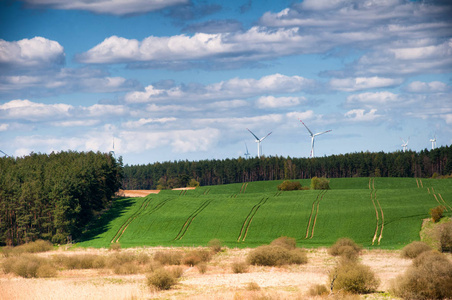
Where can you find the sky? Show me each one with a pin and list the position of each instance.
(165, 80)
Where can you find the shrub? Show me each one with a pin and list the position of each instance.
(437, 213)
(176, 271)
(320, 183)
(32, 247)
(239, 267)
(161, 279)
(289, 186)
(168, 257)
(25, 265)
(345, 247)
(429, 277)
(46, 270)
(252, 286)
(214, 245)
(286, 242)
(271, 255)
(202, 267)
(127, 268)
(318, 290)
(115, 246)
(195, 257)
(444, 232)
(415, 248)
(143, 258)
(353, 277)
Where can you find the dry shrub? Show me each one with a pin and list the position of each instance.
(239, 267)
(252, 286)
(353, 277)
(414, 249)
(120, 258)
(168, 257)
(345, 247)
(202, 268)
(25, 265)
(270, 255)
(437, 213)
(161, 279)
(32, 247)
(429, 277)
(215, 245)
(127, 268)
(176, 271)
(115, 247)
(143, 258)
(288, 185)
(46, 270)
(84, 261)
(194, 257)
(286, 242)
(444, 233)
(318, 290)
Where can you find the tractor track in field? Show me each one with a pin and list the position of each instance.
(249, 218)
(442, 202)
(315, 207)
(380, 217)
(126, 224)
(190, 219)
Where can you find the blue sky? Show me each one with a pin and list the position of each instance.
(183, 79)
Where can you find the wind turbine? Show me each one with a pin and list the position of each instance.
(258, 141)
(433, 142)
(405, 144)
(246, 153)
(4, 153)
(313, 137)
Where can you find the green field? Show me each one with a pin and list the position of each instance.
(375, 212)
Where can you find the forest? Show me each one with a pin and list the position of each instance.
(426, 163)
(53, 197)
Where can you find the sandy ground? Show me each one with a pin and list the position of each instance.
(219, 282)
(136, 193)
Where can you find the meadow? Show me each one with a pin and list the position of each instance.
(378, 213)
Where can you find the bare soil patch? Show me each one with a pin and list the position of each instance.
(136, 193)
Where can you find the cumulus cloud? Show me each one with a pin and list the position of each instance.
(278, 102)
(146, 121)
(360, 115)
(233, 88)
(373, 99)
(362, 83)
(37, 52)
(113, 7)
(427, 87)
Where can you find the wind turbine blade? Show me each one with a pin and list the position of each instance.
(265, 137)
(310, 132)
(253, 134)
(322, 132)
(246, 148)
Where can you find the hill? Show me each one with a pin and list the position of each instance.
(375, 212)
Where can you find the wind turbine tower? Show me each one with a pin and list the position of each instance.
(313, 137)
(433, 140)
(247, 153)
(405, 144)
(259, 141)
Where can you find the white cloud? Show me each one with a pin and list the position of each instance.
(373, 99)
(4, 126)
(145, 121)
(427, 87)
(447, 118)
(362, 83)
(307, 115)
(233, 88)
(31, 111)
(37, 52)
(113, 7)
(359, 115)
(278, 102)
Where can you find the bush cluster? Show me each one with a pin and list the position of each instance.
(354, 277)
(320, 183)
(437, 213)
(239, 267)
(28, 266)
(429, 277)
(286, 242)
(346, 248)
(196, 256)
(31, 247)
(169, 257)
(288, 185)
(276, 255)
(161, 279)
(414, 249)
(444, 233)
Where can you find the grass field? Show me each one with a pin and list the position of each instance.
(375, 212)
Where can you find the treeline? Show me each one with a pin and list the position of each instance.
(426, 163)
(53, 197)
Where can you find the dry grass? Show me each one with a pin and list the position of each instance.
(219, 282)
